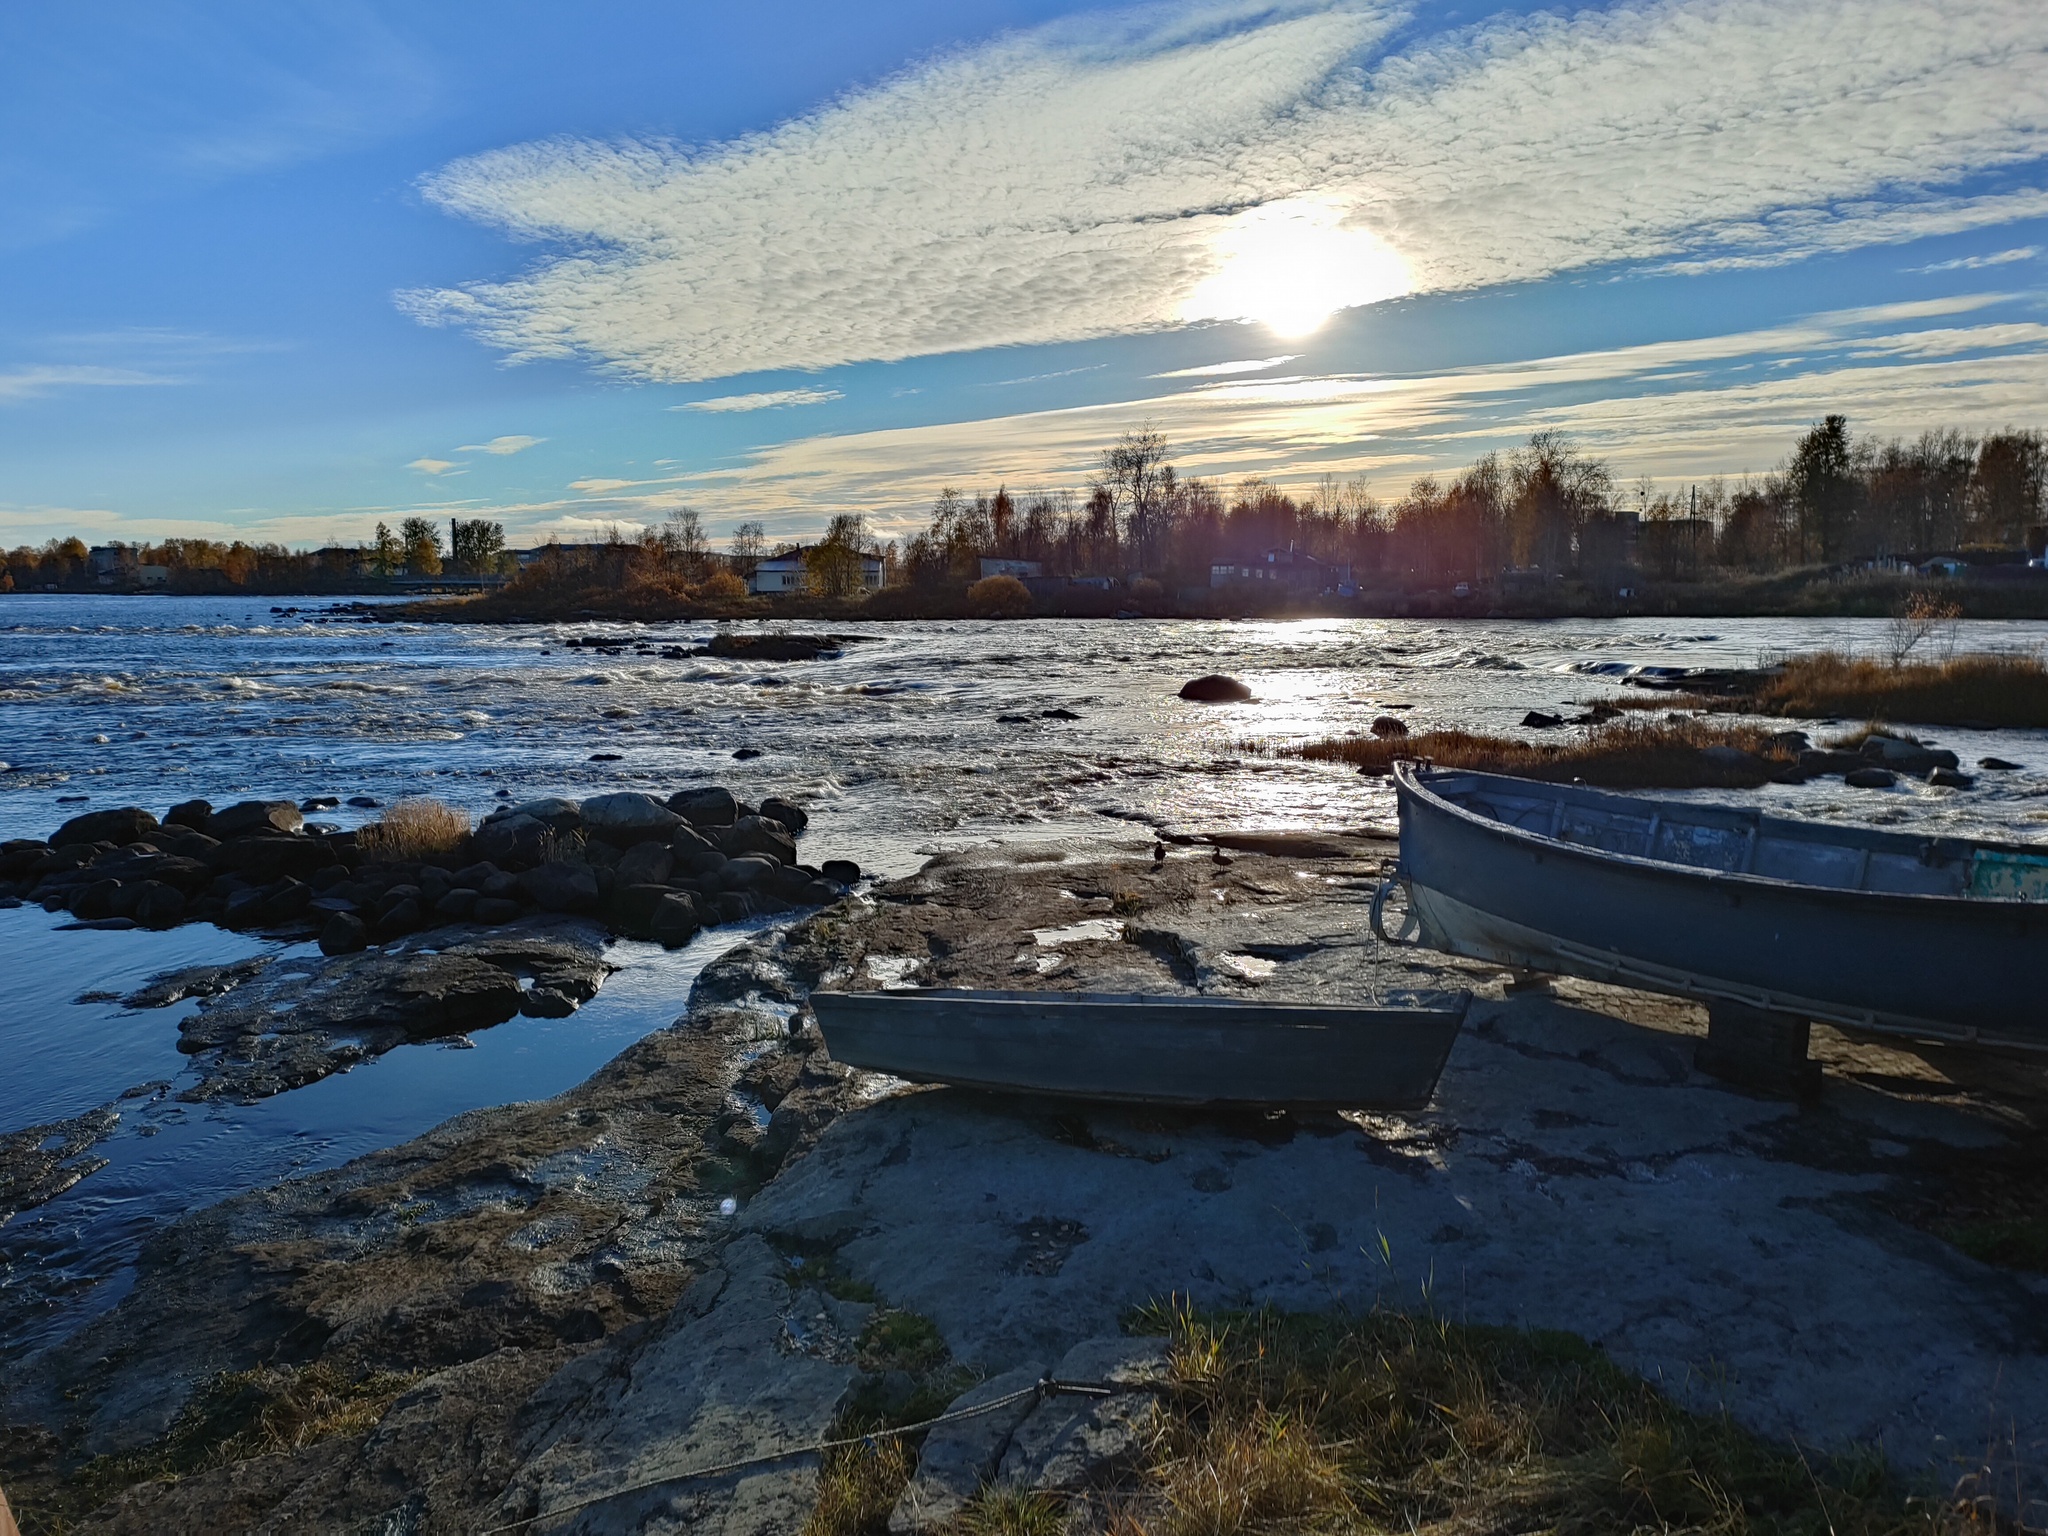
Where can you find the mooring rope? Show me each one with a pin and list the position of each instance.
(1045, 1386)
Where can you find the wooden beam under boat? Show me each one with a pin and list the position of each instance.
(1149, 1049)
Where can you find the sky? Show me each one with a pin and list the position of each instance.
(281, 272)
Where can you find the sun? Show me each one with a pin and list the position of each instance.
(1292, 264)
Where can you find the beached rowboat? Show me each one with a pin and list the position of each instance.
(1149, 1049)
(1937, 937)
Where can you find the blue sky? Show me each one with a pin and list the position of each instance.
(282, 272)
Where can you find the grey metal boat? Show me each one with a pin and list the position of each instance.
(1935, 937)
(1148, 1049)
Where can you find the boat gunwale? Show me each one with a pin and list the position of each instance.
(1452, 1003)
(1407, 776)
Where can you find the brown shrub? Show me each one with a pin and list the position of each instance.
(721, 587)
(2005, 691)
(999, 597)
(1626, 755)
(414, 829)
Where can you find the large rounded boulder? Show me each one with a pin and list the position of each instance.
(628, 818)
(262, 816)
(123, 826)
(1215, 689)
(711, 806)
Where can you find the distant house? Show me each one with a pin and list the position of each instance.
(1289, 569)
(1018, 568)
(153, 575)
(787, 571)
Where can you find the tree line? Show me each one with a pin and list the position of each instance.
(474, 547)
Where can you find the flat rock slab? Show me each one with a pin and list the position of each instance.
(269, 1025)
(717, 1381)
(958, 1458)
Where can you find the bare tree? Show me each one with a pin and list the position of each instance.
(683, 541)
(749, 544)
(1138, 479)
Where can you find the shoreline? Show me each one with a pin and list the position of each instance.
(485, 1288)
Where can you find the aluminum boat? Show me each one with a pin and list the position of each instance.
(1937, 937)
(1150, 1049)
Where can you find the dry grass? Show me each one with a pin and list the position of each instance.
(241, 1414)
(1989, 690)
(1397, 1423)
(1665, 754)
(858, 1486)
(414, 829)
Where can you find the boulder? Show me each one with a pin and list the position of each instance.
(748, 872)
(512, 841)
(648, 863)
(343, 934)
(1215, 688)
(631, 908)
(1071, 1443)
(1537, 720)
(790, 814)
(627, 818)
(255, 816)
(120, 826)
(712, 806)
(260, 860)
(1907, 756)
(561, 887)
(400, 917)
(493, 910)
(1386, 725)
(959, 1457)
(96, 900)
(843, 871)
(1870, 778)
(758, 835)
(686, 840)
(1949, 778)
(550, 811)
(1996, 765)
(158, 905)
(676, 919)
(456, 905)
(190, 813)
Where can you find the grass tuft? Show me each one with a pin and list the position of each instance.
(858, 1486)
(414, 829)
(1013, 1512)
(1390, 1423)
(1664, 754)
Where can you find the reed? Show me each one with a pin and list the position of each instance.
(1992, 690)
(418, 828)
(1629, 754)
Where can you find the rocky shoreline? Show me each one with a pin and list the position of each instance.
(723, 1243)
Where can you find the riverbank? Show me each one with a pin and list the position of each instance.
(546, 1302)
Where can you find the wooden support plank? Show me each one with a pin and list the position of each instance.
(1762, 1051)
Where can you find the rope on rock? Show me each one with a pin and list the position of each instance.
(1045, 1386)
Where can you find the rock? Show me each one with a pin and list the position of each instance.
(343, 934)
(1386, 725)
(493, 910)
(686, 841)
(1057, 714)
(261, 860)
(561, 887)
(748, 872)
(513, 842)
(1537, 720)
(628, 818)
(95, 900)
(1215, 688)
(1907, 756)
(1071, 1443)
(1724, 755)
(400, 917)
(320, 803)
(841, 871)
(364, 802)
(158, 905)
(958, 1458)
(1870, 778)
(772, 647)
(1814, 763)
(648, 863)
(757, 835)
(456, 905)
(549, 811)
(746, 754)
(189, 813)
(1996, 765)
(631, 908)
(119, 826)
(791, 815)
(1949, 778)
(676, 919)
(254, 816)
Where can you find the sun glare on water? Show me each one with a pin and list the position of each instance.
(1291, 265)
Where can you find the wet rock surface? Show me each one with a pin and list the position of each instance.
(585, 1312)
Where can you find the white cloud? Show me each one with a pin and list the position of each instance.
(1133, 173)
(1243, 365)
(28, 383)
(1685, 407)
(434, 466)
(764, 401)
(502, 445)
(1995, 259)
(598, 486)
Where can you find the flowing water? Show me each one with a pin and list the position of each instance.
(920, 736)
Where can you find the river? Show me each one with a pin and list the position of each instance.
(920, 736)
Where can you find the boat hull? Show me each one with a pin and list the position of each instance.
(1932, 966)
(1146, 1049)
